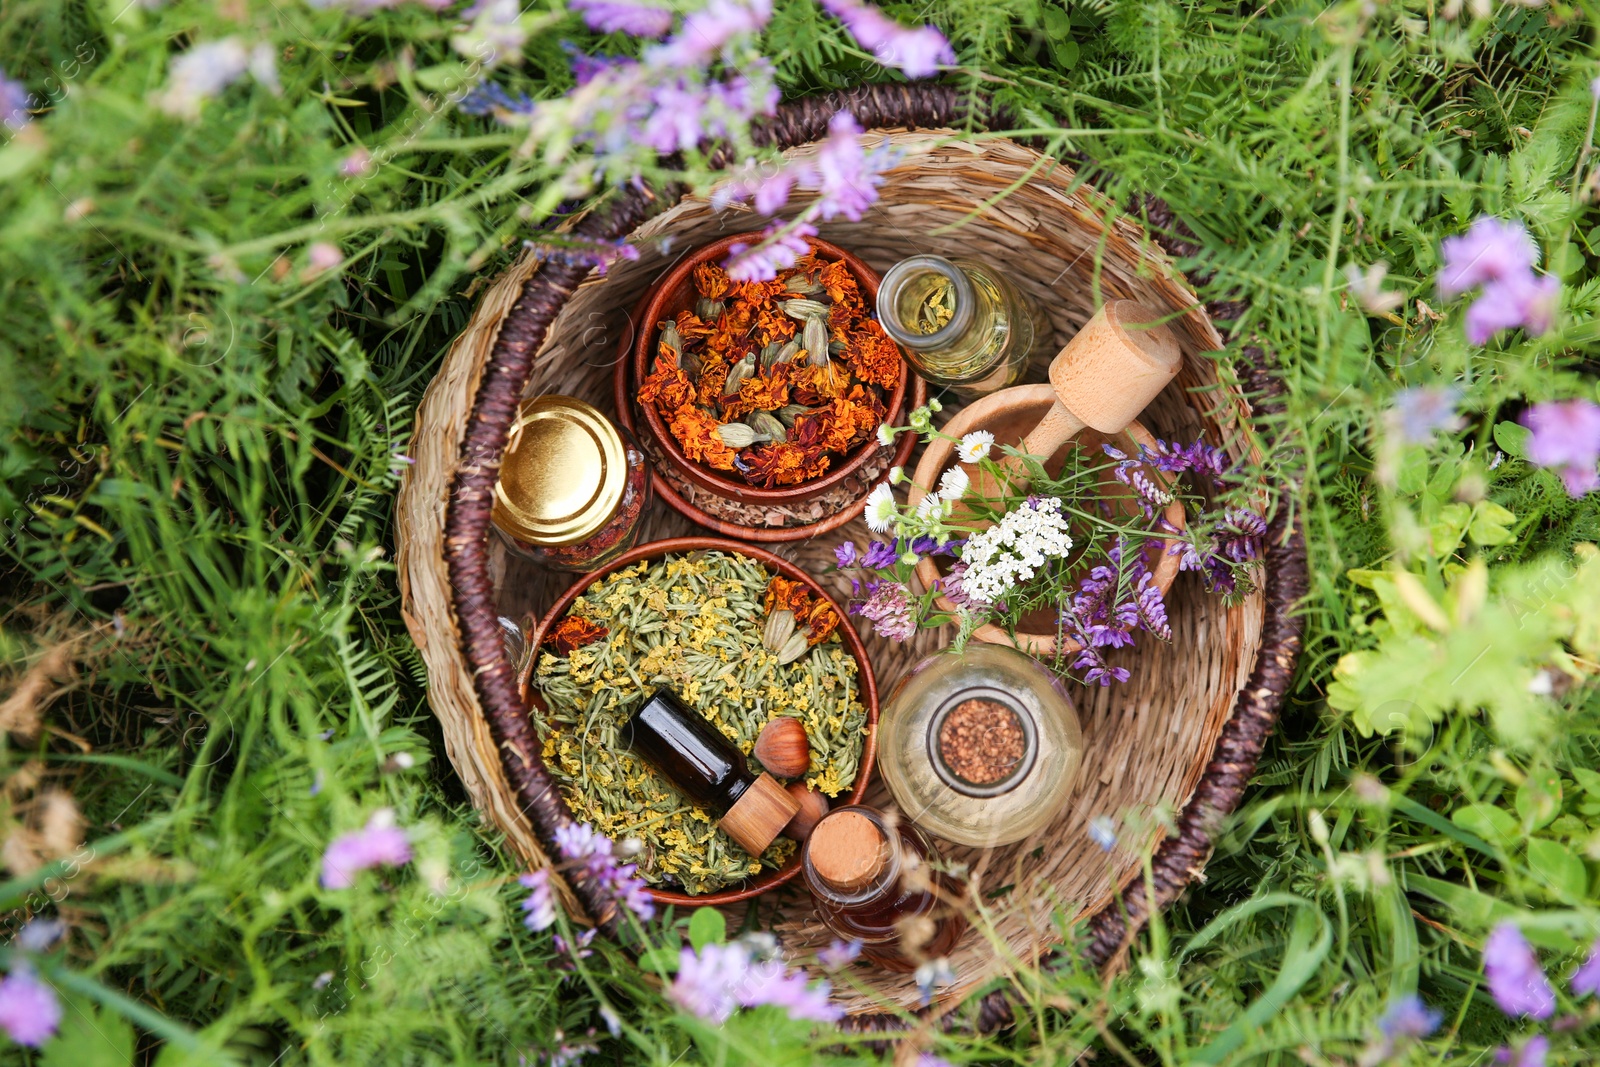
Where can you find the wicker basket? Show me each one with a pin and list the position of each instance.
(1183, 734)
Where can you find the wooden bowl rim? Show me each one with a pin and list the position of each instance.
(933, 460)
(639, 365)
(868, 685)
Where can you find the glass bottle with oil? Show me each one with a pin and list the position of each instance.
(962, 323)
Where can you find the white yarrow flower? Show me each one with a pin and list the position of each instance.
(880, 509)
(885, 434)
(1013, 549)
(975, 446)
(953, 485)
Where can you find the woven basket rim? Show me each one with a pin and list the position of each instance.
(497, 389)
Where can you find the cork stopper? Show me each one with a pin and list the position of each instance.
(760, 814)
(848, 851)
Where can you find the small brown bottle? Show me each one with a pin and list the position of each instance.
(872, 882)
(710, 771)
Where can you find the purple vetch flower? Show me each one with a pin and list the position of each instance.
(540, 906)
(933, 976)
(1529, 302)
(847, 177)
(1515, 978)
(1490, 250)
(322, 256)
(1423, 411)
(569, 1053)
(677, 120)
(880, 554)
(839, 954)
(358, 164)
(713, 982)
(1498, 257)
(39, 934)
(705, 32)
(580, 843)
(577, 251)
(1586, 980)
(1408, 1017)
(1103, 832)
(845, 553)
(928, 1059)
(955, 591)
(888, 607)
(779, 249)
(379, 844)
(914, 51)
(1566, 438)
(14, 102)
(577, 949)
(205, 70)
(636, 20)
(1532, 1053)
(29, 1010)
(490, 99)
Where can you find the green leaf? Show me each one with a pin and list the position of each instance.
(1307, 947)
(1490, 524)
(1558, 870)
(1512, 438)
(1489, 822)
(89, 1037)
(1566, 260)
(1539, 799)
(707, 927)
(661, 960)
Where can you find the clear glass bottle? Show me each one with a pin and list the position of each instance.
(980, 747)
(572, 487)
(872, 880)
(962, 323)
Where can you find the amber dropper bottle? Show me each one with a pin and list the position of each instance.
(872, 881)
(709, 770)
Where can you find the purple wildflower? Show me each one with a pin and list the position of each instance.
(569, 1053)
(1421, 412)
(933, 975)
(839, 954)
(206, 69)
(1586, 980)
(1566, 437)
(1490, 251)
(29, 1010)
(636, 20)
(678, 118)
(713, 982)
(705, 32)
(954, 590)
(495, 34)
(1498, 257)
(916, 52)
(880, 554)
(1408, 1017)
(580, 843)
(1531, 1054)
(577, 950)
(14, 103)
(379, 844)
(847, 177)
(1103, 832)
(889, 608)
(779, 250)
(540, 907)
(358, 164)
(845, 553)
(490, 99)
(1514, 975)
(928, 1059)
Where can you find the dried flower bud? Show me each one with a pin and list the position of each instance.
(788, 351)
(707, 309)
(793, 649)
(671, 337)
(805, 309)
(779, 625)
(803, 284)
(815, 338)
(769, 355)
(764, 422)
(738, 435)
(836, 348)
(745, 368)
(790, 412)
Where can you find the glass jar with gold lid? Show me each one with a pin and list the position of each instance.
(962, 323)
(572, 487)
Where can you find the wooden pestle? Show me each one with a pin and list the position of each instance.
(1103, 378)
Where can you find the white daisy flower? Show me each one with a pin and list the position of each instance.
(929, 506)
(953, 484)
(880, 508)
(975, 446)
(897, 475)
(885, 434)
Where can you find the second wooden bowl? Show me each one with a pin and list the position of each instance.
(847, 634)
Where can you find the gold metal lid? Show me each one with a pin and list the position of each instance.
(563, 474)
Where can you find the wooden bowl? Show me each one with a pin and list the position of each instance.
(852, 643)
(675, 293)
(1009, 414)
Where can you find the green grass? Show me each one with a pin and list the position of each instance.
(198, 450)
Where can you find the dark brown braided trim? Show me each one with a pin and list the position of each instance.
(521, 335)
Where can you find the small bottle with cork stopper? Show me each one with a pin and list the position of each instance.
(710, 770)
(873, 880)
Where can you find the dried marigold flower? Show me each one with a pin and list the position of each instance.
(692, 327)
(711, 280)
(873, 357)
(809, 610)
(667, 385)
(573, 632)
(697, 433)
(839, 282)
(763, 392)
